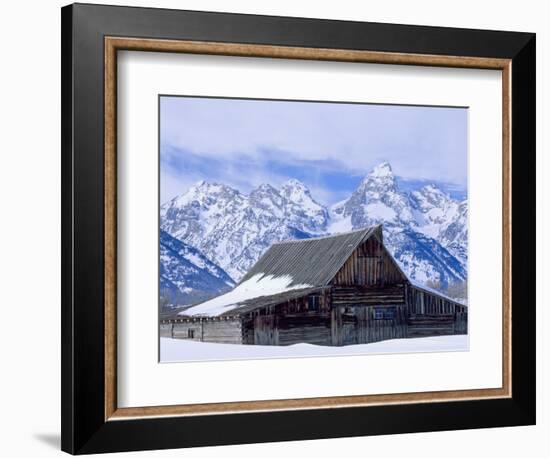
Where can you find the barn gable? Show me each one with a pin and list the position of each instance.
(370, 264)
(314, 261)
(292, 268)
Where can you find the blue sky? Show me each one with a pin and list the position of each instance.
(328, 146)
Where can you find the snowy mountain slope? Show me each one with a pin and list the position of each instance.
(303, 212)
(376, 200)
(454, 234)
(444, 219)
(186, 276)
(426, 230)
(423, 258)
(233, 229)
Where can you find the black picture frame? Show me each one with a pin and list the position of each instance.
(84, 428)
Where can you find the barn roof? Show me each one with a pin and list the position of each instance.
(274, 299)
(417, 285)
(259, 289)
(311, 261)
(287, 270)
(243, 306)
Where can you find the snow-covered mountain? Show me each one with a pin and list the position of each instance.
(187, 276)
(443, 219)
(376, 200)
(426, 230)
(233, 229)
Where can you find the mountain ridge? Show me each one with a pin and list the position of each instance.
(425, 229)
(186, 276)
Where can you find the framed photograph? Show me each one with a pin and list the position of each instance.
(284, 228)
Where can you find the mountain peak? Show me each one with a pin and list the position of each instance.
(294, 183)
(202, 191)
(202, 184)
(432, 193)
(294, 189)
(381, 170)
(430, 188)
(265, 187)
(211, 187)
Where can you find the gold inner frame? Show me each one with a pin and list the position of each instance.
(114, 44)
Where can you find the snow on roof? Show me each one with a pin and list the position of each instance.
(313, 261)
(419, 285)
(259, 285)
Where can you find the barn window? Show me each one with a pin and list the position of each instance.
(384, 313)
(313, 303)
(191, 333)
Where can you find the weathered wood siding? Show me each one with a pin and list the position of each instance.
(305, 319)
(364, 295)
(166, 329)
(433, 315)
(313, 328)
(265, 330)
(340, 315)
(209, 330)
(431, 325)
(362, 324)
(461, 319)
(289, 330)
(369, 265)
(422, 302)
(183, 329)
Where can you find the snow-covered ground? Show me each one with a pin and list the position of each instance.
(177, 350)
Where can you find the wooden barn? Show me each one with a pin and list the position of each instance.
(337, 290)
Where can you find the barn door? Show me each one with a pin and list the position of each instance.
(265, 330)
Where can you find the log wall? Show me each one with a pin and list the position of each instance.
(279, 329)
(432, 315)
(369, 265)
(340, 315)
(208, 330)
(350, 295)
(425, 303)
(361, 324)
(461, 320)
(313, 328)
(166, 329)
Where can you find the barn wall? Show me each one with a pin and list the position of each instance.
(340, 315)
(265, 330)
(303, 319)
(209, 330)
(361, 324)
(348, 315)
(369, 265)
(279, 329)
(423, 302)
(432, 315)
(166, 329)
(461, 320)
(313, 328)
(352, 295)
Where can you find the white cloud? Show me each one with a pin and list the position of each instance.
(419, 142)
